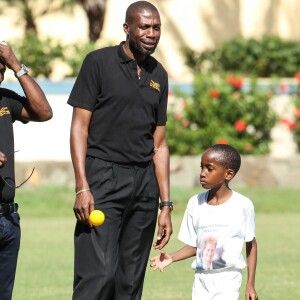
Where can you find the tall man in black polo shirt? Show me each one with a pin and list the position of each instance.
(33, 107)
(121, 160)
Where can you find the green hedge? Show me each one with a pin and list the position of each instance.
(265, 57)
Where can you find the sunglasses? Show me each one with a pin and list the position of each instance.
(19, 185)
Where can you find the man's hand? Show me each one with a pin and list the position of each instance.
(164, 228)
(3, 160)
(84, 205)
(7, 54)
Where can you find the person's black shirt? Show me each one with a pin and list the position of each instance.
(11, 105)
(126, 109)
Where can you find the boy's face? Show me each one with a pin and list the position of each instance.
(213, 174)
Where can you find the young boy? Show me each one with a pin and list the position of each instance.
(215, 226)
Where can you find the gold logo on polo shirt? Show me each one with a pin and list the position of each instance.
(155, 85)
(4, 111)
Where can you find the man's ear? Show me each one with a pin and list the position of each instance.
(126, 28)
(229, 174)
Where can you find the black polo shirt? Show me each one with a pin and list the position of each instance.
(126, 109)
(11, 105)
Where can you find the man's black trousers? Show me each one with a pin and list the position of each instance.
(110, 260)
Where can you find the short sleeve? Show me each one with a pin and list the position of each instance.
(250, 224)
(162, 111)
(188, 232)
(87, 86)
(15, 102)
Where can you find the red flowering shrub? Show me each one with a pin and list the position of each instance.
(240, 126)
(222, 141)
(288, 123)
(235, 82)
(220, 110)
(297, 113)
(297, 76)
(214, 93)
(293, 122)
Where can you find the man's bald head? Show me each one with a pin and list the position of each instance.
(136, 7)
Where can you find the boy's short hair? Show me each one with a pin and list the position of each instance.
(229, 157)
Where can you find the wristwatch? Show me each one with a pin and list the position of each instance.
(22, 72)
(166, 203)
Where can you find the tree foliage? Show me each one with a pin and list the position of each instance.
(30, 12)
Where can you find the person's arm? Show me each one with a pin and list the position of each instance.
(84, 202)
(36, 107)
(251, 252)
(164, 259)
(162, 170)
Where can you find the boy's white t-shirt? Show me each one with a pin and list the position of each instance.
(218, 231)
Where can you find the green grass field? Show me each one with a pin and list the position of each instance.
(45, 266)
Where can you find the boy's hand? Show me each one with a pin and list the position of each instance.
(160, 261)
(251, 293)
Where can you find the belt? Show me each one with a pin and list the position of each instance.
(213, 271)
(143, 164)
(8, 208)
(134, 164)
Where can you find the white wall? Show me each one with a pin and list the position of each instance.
(46, 141)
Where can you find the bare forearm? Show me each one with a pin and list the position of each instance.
(251, 252)
(37, 106)
(78, 144)
(183, 253)
(78, 155)
(162, 170)
(162, 165)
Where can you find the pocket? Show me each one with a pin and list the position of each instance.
(100, 176)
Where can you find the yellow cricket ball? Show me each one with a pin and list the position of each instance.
(97, 217)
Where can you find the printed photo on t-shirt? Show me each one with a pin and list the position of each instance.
(209, 254)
